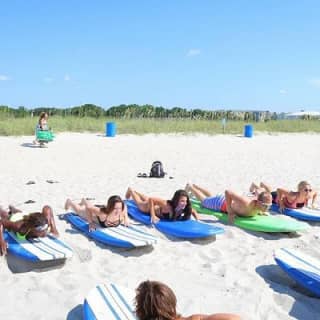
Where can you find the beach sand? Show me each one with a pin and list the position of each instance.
(234, 273)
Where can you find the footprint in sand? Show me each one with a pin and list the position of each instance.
(83, 254)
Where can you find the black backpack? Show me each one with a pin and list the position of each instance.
(157, 170)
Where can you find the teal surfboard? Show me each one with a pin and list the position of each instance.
(257, 223)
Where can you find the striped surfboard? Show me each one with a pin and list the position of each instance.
(121, 236)
(39, 249)
(108, 301)
(304, 269)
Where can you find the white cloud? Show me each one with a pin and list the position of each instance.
(3, 77)
(48, 79)
(66, 77)
(315, 82)
(283, 91)
(193, 52)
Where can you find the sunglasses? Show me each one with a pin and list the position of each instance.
(307, 190)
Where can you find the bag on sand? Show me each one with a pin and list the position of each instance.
(157, 170)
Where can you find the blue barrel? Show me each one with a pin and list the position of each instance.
(248, 131)
(111, 129)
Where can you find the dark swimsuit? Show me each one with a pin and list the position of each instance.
(106, 223)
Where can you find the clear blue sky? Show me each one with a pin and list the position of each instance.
(194, 54)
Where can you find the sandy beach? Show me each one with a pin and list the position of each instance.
(234, 272)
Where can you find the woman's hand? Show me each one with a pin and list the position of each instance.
(92, 226)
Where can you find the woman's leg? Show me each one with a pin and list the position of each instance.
(198, 192)
(265, 186)
(140, 199)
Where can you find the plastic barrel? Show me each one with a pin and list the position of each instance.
(111, 129)
(248, 131)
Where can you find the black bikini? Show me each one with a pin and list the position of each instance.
(107, 224)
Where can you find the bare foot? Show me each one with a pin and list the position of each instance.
(13, 209)
(128, 193)
(67, 205)
(252, 187)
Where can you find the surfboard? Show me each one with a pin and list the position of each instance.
(256, 223)
(188, 229)
(121, 236)
(39, 249)
(108, 301)
(304, 213)
(304, 269)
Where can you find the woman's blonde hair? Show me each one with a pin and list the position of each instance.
(302, 184)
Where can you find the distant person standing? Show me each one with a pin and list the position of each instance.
(43, 121)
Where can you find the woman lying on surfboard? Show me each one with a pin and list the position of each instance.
(232, 203)
(178, 208)
(155, 300)
(33, 225)
(289, 199)
(111, 215)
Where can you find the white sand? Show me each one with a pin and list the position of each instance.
(236, 273)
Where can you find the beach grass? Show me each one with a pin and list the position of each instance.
(26, 126)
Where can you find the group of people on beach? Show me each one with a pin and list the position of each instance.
(114, 213)
(155, 300)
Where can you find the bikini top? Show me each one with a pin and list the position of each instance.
(294, 204)
(108, 224)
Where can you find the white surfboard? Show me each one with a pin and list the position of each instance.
(109, 301)
(301, 267)
(38, 249)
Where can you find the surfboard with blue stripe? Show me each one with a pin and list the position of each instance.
(187, 229)
(108, 301)
(39, 249)
(120, 236)
(307, 214)
(303, 268)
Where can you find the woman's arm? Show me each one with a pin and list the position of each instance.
(3, 244)
(195, 214)
(154, 218)
(125, 216)
(314, 198)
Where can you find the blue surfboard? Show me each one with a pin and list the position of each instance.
(120, 236)
(188, 229)
(38, 249)
(304, 213)
(301, 267)
(108, 301)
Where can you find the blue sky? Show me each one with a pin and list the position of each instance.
(193, 54)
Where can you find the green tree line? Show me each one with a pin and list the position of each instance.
(134, 111)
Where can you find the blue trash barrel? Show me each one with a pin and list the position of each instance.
(111, 129)
(248, 131)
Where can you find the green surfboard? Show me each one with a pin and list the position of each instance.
(256, 223)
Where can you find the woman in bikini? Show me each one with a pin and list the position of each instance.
(289, 199)
(33, 225)
(155, 300)
(111, 215)
(232, 203)
(178, 208)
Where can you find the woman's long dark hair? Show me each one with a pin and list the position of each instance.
(112, 202)
(32, 221)
(175, 201)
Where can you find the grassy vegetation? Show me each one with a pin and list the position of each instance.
(26, 126)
